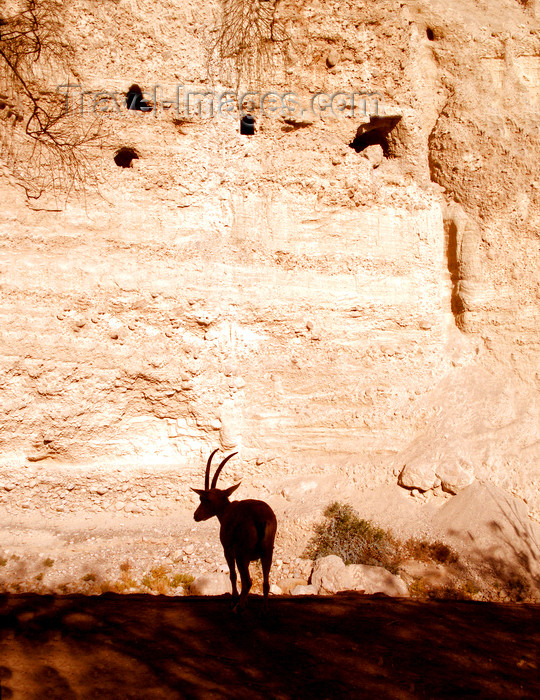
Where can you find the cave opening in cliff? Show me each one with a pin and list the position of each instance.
(247, 125)
(430, 34)
(124, 157)
(135, 100)
(452, 261)
(375, 132)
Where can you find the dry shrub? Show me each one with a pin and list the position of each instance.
(356, 541)
(437, 551)
(460, 590)
(518, 589)
(106, 587)
(184, 580)
(98, 585)
(157, 579)
(126, 582)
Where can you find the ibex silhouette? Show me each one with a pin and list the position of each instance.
(247, 532)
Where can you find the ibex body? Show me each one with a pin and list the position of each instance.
(247, 533)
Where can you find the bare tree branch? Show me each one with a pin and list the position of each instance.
(47, 149)
(250, 38)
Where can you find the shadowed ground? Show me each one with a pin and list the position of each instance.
(348, 646)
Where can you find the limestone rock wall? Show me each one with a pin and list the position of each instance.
(283, 294)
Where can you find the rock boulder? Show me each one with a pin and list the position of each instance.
(331, 575)
(211, 584)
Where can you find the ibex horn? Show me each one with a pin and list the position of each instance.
(218, 470)
(207, 475)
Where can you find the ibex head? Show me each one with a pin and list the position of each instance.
(213, 500)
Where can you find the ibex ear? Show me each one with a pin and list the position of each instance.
(231, 489)
(199, 492)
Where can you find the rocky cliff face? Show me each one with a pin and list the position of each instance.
(370, 311)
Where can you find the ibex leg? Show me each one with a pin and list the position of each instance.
(266, 561)
(232, 573)
(243, 568)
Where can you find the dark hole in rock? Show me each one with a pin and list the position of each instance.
(374, 132)
(124, 157)
(135, 100)
(247, 125)
(430, 34)
(452, 256)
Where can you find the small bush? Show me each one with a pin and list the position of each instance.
(184, 580)
(457, 590)
(157, 579)
(39, 577)
(517, 588)
(3, 561)
(470, 589)
(356, 541)
(120, 586)
(452, 591)
(48, 562)
(126, 583)
(359, 541)
(418, 588)
(123, 585)
(437, 551)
